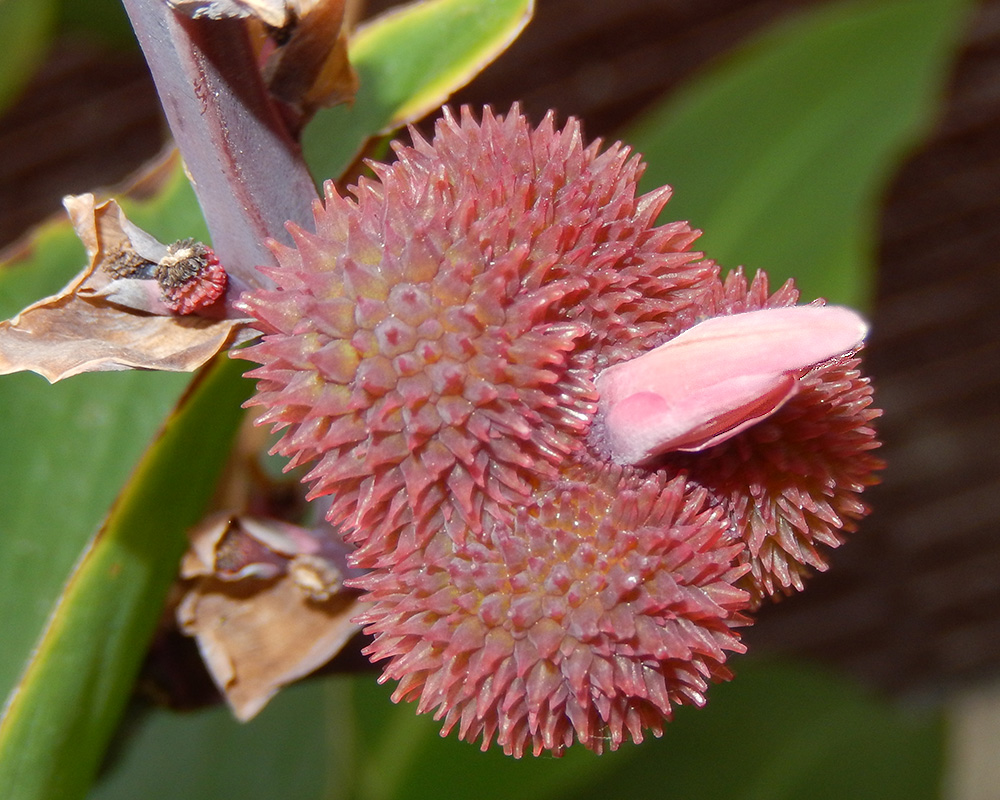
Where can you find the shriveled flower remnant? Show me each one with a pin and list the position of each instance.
(450, 351)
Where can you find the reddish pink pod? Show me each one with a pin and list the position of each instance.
(718, 378)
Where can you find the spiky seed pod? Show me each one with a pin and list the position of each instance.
(434, 342)
(431, 352)
(588, 615)
(791, 484)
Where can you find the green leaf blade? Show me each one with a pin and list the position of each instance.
(60, 468)
(25, 29)
(782, 153)
(779, 731)
(68, 651)
(68, 701)
(409, 62)
(74, 444)
(208, 755)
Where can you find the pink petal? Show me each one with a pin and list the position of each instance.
(718, 378)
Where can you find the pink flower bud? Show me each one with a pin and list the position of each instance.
(718, 378)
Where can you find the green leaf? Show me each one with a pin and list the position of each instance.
(25, 27)
(67, 457)
(400, 755)
(103, 21)
(778, 731)
(783, 731)
(409, 62)
(336, 738)
(61, 466)
(77, 682)
(285, 752)
(172, 212)
(783, 151)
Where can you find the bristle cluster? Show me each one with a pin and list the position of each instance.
(431, 351)
(188, 273)
(433, 344)
(589, 614)
(190, 277)
(790, 484)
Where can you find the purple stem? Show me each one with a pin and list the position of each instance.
(247, 170)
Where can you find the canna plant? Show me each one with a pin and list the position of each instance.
(462, 358)
(555, 458)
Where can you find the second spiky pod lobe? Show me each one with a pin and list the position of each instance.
(587, 615)
(791, 483)
(436, 339)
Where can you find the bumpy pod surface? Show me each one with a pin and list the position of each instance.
(431, 351)
(589, 613)
(790, 484)
(432, 346)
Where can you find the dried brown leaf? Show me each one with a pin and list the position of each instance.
(99, 322)
(303, 44)
(265, 605)
(311, 70)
